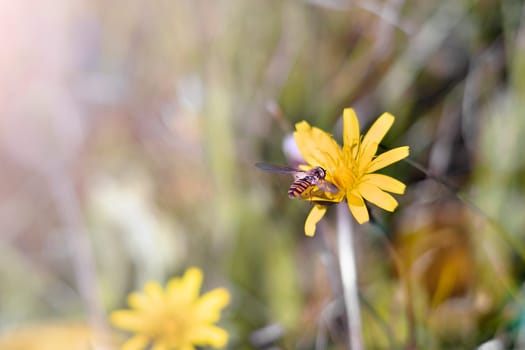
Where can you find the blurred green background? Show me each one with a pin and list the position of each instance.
(129, 131)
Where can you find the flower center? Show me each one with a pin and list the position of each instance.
(171, 326)
(172, 330)
(344, 178)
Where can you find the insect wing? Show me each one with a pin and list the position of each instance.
(327, 186)
(277, 169)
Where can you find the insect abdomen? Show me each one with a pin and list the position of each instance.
(298, 187)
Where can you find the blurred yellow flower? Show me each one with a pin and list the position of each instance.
(175, 318)
(54, 336)
(351, 168)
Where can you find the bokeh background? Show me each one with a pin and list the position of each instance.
(129, 132)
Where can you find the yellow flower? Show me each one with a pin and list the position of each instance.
(175, 318)
(351, 168)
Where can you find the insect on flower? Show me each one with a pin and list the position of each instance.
(305, 180)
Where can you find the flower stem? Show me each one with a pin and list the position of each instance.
(349, 276)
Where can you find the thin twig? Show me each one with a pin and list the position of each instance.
(83, 260)
(380, 321)
(349, 276)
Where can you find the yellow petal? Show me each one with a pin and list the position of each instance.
(318, 195)
(371, 140)
(317, 147)
(154, 292)
(379, 129)
(209, 335)
(191, 285)
(159, 346)
(173, 285)
(387, 158)
(366, 153)
(187, 347)
(138, 301)
(350, 132)
(374, 195)
(357, 207)
(384, 182)
(129, 320)
(209, 306)
(316, 214)
(137, 342)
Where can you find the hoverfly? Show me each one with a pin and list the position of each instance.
(304, 179)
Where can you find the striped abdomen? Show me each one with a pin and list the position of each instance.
(300, 185)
